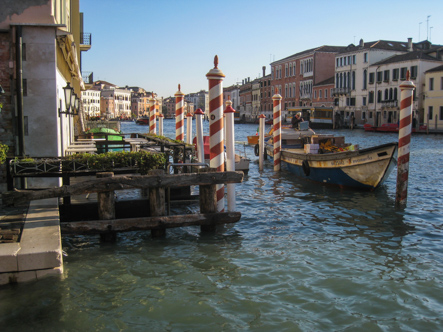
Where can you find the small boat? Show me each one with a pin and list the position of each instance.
(327, 159)
(384, 128)
(143, 120)
(106, 134)
(241, 163)
(253, 140)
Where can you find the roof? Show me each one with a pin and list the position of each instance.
(328, 81)
(324, 48)
(439, 68)
(415, 55)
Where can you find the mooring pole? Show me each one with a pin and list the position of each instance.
(404, 139)
(157, 206)
(179, 121)
(230, 152)
(215, 77)
(160, 124)
(208, 200)
(199, 128)
(189, 128)
(261, 141)
(152, 117)
(277, 130)
(106, 208)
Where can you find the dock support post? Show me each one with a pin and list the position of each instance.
(199, 128)
(215, 77)
(404, 138)
(261, 141)
(157, 203)
(230, 152)
(160, 125)
(106, 208)
(208, 201)
(152, 124)
(277, 130)
(189, 128)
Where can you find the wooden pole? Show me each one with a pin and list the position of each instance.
(157, 203)
(230, 152)
(208, 201)
(106, 208)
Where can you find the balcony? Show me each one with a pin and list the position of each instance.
(340, 91)
(85, 41)
(88, 77)
(389, 103)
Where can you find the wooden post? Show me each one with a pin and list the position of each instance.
(106, 208)
(208, 200)
(157, 203)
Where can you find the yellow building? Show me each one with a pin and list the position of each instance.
(41, 44)
(433, 104)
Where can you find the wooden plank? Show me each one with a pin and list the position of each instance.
(124, 182)
(148, 223)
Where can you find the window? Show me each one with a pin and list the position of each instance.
(379, 94)
(379, 76)
(326, 93)
(371, 97)
(315, 94)
(431, 84)
(364, 103)
(365, 79)
(338, 62)
(371, 78)
(386, 94)
(441, 83)
(354, 59)
(320, 94)
(430, 110)
(344, 61)
(413, 71)
(365, 57)
(395, 74)
(403, 73)
(386, 76)
(441, 112)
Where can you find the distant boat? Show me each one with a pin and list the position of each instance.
(328, 160)
(143, 120)
(384, 128)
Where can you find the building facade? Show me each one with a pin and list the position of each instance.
(433, 102)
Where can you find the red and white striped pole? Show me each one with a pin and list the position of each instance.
(199, 128)
(230, 152)
(179, 121)
(152, 128)
(189, 128)
(276, 98)
(160, 125)
(215, 77)
(404, 139)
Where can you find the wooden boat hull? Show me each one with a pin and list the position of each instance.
(364, 169)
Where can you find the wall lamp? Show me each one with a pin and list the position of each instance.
(69, 94)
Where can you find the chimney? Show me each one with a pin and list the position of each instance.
(264, 71)
(249, 79)
(410, 49)
(361, 43)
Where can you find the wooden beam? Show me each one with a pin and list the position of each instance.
(148, 223)
(123, 182)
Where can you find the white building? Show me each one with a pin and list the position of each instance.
(91, 103)
(122, 102)
(384, 80)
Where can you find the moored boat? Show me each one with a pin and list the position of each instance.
(143, 120)
(327, 159)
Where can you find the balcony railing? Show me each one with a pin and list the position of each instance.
(88, 77)
(86, 39)
(389, 103)
(340, 91)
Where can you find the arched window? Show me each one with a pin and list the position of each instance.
(390, 94)
(386, 94)
(395, 93)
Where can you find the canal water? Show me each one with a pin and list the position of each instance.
(303, 257)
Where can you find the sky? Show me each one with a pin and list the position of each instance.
(158, 44)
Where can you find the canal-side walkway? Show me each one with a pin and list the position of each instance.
(30, 244)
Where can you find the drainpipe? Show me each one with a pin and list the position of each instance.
(19, 89)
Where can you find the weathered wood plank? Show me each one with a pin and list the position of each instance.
(123, 182)
(148, 223)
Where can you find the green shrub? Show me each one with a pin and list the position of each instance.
(3, 150)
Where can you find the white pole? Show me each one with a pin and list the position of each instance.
(230, 153)
(261, 141)
(189, 129)
(160, 125)
(199, 128)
